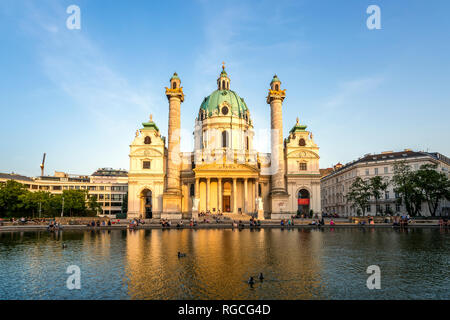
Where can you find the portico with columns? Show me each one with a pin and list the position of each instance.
(233, 190)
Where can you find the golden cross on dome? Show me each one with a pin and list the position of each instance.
(223, 65)
(151, 118)
(297, 120)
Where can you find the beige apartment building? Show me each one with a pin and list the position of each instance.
(107, 185)
(336, 185)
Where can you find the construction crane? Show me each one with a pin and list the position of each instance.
(42, 165)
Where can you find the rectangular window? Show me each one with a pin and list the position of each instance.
(386, 170)
(303, 166)
(368, 208)
(146, 165)
(397, 208)
(56, 187)
(376, 170)
(388, 208)
(367, 172)
(386, 195)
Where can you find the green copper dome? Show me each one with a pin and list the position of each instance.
(275, 79)
(210, 104)
(298, 127)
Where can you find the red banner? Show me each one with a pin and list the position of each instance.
(303, 202)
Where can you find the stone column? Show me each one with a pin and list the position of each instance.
(208, 194)
(277, 147)
(279, 196)
(219, 195)
(234, 195)
(172, 194)
(197, 188)
(245, 196)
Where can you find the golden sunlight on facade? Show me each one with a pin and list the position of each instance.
(224, 173)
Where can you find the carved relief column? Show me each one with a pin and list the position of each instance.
(278, 194)
(172, 195)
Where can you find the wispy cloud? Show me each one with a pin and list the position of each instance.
(75, 64)
(350, 89)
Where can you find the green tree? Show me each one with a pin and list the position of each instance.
(36, 203)
(434, 185)
(125, 203)
(377, 186)
(359, 194)
(406, 186)
(11, 194)
(94, 206)
(75, 202)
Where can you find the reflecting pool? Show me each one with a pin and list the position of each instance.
(296, 263)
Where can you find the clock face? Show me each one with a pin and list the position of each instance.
(302, 142)
(225, 110)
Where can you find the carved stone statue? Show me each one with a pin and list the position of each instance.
(260, 209)
(137, 133)
(195, 204)
(259, 204)
(311, 135)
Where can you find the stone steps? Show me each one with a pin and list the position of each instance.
(237, 217)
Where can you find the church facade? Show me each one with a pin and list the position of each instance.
(224, 173)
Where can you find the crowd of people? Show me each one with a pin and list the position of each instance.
(54, 226)
(443, 222)
(401, 221)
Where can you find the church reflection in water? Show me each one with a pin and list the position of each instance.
(219, 262)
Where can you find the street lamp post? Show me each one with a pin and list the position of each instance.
(62, 210)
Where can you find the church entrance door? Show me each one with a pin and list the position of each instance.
(147, 203)
(226, 203)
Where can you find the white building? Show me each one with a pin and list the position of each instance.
(336, 185)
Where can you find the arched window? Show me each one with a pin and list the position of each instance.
(246, 143)
(223, 85)
(147, 140)
(302, 142)
(174, 85)
(192, 190)
(277, 87)
(303, 166)
(224, 139)
(259, 190)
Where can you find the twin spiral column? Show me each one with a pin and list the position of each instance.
(172, 193)
(278, 194)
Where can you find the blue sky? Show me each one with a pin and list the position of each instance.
(79, 95)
